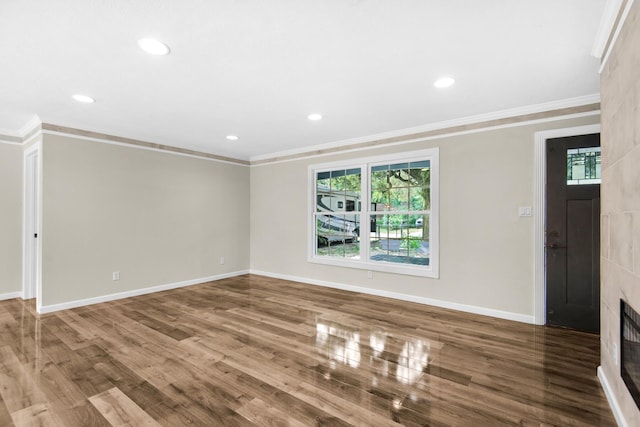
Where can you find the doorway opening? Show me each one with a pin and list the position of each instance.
(540, 208)
(572, 245)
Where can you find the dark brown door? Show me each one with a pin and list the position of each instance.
(573, 233)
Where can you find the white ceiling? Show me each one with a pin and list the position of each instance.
(257, 68)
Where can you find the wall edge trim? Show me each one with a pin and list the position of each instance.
(517, 317)
(136, 292)
(611, 398)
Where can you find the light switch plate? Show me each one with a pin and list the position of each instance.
(524, 211)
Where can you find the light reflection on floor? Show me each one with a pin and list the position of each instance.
(377, 354)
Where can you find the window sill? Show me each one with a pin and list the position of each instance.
(407, 270)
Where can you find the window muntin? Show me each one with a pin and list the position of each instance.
(399, 231)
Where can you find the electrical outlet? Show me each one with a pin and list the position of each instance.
(221, 260)
(115, 275)
(369, 274)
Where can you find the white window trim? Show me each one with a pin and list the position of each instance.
(431, 154)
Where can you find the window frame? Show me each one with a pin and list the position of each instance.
(364, 262)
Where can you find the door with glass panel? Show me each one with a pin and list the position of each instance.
(572, 238)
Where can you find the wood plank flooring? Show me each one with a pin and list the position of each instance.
(256, 351)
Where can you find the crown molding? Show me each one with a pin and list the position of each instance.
(6, 138)
(22, 135)
(499, 118)
(4, 132)
(33, 125)
(52, 129)
(588, 104)
(607, 23)
(623, 12)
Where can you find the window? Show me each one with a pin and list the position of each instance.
(584, 166)
(397, 233)
(336, 233)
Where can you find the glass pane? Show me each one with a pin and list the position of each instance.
(419, 198)
(336, 249)
(380, 195)
(398, 199)
(399, 166)
(423, 165)
(399, 178)
(328, 201)
(400, 239)
(337, 180)
(420, 174)
(584, 166)
(380, 185)
(380, 203)
(322, 180)
(338, 191)
(353, 181)
(345, 180)
(401, 186)
(337, 235)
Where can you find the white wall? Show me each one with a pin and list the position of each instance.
(486, 249)
(10, 218)
(155, 217)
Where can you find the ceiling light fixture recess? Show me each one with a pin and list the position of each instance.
(232, 137)
(83, 98)
(444, 82)
(153, 46)
(315, 116)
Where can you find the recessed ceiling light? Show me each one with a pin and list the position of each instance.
(153, 46)
(83, 98)
(315, 116)
(232, 137)
(444, 82)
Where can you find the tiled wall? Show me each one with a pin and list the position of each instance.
(620, 89)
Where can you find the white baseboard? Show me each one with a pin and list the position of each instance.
(10, 295)
(611, 398)
(404, 297)
(112, 297)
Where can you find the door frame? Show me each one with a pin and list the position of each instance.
(540, 207)
(32, 214)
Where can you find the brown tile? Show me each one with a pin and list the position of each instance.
(620, 239)
(629, 173)
(621, 138)
(604, 236)
(611, 190)
(636, 242)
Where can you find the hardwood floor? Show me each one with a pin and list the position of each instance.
(252, 350)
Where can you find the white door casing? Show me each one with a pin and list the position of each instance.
(31, 260)
(540, 196)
